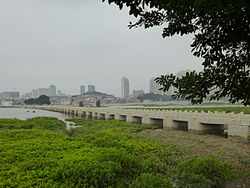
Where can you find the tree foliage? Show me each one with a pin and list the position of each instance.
(221, 30)
(98, 103)
(43, 99)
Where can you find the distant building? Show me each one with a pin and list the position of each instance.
(154, 87)
(43, 91)
(10, 95)
(136, 93)
(172, 89)
(27, 95)
(91, 88)
(6, 103)
(82, 90)
(52, 90)
(125, 87)
(34, 93)
(59, 93)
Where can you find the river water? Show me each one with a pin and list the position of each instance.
(26, 113)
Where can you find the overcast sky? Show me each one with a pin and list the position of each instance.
(74, 42)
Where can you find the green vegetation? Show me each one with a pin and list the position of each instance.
(245, 110)
(203, 172)
(156, 97)
(98, 103)
(43, 99)
(48, 123)
(41, 152)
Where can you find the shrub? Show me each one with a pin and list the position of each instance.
(148, 180)
(203, 172)
(48, 123)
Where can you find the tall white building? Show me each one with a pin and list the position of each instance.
(154, 87)
(125, 87)
(52, 90)
(82, 90)
(59, 93)
(10, 95)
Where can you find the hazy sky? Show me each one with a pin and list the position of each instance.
(74, 42)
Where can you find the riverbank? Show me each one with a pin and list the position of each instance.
(237, 153)
(102, 154)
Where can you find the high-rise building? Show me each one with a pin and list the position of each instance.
(154, 87)
(34, 93)
(43, 91)
(82, 90)
(172, 89)
(52, 90)
(59, 93)
(10, 95)
(125, 87)
(91, 88)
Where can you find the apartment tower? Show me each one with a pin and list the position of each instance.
(125, 87)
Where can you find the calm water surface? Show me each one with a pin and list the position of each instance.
(26, 113)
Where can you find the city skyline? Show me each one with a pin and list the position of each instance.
(153, 87)
(65, 47)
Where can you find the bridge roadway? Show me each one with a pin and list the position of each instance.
(234, 126)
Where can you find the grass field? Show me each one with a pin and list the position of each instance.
(41, 152)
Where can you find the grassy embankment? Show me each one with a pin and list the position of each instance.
(41, 152)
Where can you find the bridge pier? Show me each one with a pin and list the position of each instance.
(194, 126)
(76, 113)
(239, 130)
(89, 115)
(83, 114)
(95, 115)
(68, 111)
(145, 120)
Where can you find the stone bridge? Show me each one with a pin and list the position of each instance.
(236, 126)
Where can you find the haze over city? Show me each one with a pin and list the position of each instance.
(78, 42)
